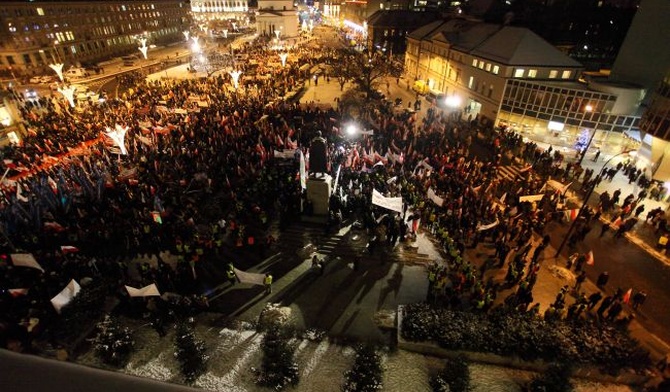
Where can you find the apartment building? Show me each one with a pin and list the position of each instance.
(37, 33)
(509, 75)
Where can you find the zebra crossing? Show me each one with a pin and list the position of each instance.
(508, 172)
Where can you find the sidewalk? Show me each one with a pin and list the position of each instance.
(643, 234)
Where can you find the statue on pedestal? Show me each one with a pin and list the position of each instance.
(318, 159)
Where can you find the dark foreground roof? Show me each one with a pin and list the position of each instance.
(22, 372)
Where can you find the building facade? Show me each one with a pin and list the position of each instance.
(218, 7)
(387, 30)
(35, 34)
(277, 17)
(510, 76)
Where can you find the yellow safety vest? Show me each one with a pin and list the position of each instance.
(268, 280)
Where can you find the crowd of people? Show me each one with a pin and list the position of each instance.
(200, 175)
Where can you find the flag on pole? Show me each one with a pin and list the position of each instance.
(626, 297)
(589, 258)
(571, 214)
(68, 249)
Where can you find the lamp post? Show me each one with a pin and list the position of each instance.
(186, 34)
(585, 204)
(236, 77)
(144, 47)
(225, 33)
(283, 57)
(57, 65)
(277, 33)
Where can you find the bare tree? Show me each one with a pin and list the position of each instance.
(364, 69)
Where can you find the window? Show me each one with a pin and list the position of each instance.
(490, 90)
(518, 73)
(553, 74)
(481, 64)
(40, 11)
(566, 74)
(488, 67)
(532, 73)
(474, 62)
(471, 82)
(496, 69)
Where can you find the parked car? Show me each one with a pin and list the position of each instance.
(75, 73)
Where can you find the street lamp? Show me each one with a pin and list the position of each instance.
(68, 93)
(277, 33)
(351, 130)
(144, 47)
(453, 101)
(225, 33)
(186, 34)
(196, 46)
(585, 203)
(283, 57)
(236, 77)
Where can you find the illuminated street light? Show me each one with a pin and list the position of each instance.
(277, 33)
(144, 47)
(236, 77)
(196, 46)
(58, 68)
(588, 108)
(304, 25)
(225, 33)
(283, 57)
(118, 134)
(351, 130)
(68, 93)
(453, 101)
(186, 34)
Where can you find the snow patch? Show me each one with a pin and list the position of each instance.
(311, 363)
(155, 369)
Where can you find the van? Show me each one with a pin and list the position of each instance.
(75, 73)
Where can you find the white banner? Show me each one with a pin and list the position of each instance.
(390, 203)
(434, 197)
(489, 226)
(64, 297)
(146, 291)
(26, 260)
(303, 171)
(561, 188)
(249, 277)
(286, 154)
(531, 198)
(425, 164)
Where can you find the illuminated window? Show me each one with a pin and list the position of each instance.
(553, 74)
(518, 73)
(488, 67)
(566, 74)
(40, 11)
(496, 69)
(471, 81)
(481, 64)
(532, 73)
(474, 62)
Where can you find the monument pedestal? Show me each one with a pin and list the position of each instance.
(318, 193)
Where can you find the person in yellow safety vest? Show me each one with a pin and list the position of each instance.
(267, 282)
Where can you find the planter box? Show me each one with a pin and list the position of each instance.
(585, 372)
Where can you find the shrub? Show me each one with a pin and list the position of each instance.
(555, 379)
(454, 377)
(114, 343)
(190, 352)
(511, 333)
(278, 367)
(366, 373)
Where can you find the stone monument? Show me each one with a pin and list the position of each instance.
(318, 181)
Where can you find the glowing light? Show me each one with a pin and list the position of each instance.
(144, 47)
(225, 33)
(68, 93)
(236, 77)
(58, 68)
(196, 46)
(354, 26)
(283, 57)
(588, 108)
(118, 134)
(277, 33)
(351, 130)
(186, 34)
(453, 101)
